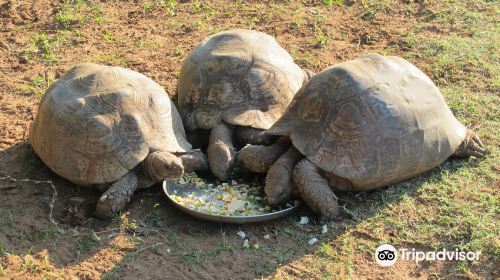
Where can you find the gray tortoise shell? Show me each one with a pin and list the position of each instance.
(98, 122)
(242, 77)
(373, 120)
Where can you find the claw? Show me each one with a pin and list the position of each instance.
(471, 146)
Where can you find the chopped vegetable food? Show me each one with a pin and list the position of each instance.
(234, 199)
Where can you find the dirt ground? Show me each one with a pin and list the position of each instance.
(48, 231)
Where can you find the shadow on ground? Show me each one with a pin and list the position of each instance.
(151, 238)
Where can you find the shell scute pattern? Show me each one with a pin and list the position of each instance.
(98, 122)
(380, 119)
(241, 77)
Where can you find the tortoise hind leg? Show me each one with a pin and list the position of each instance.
(471, 146)
(314, 189)
(220, 151)
(117, 196)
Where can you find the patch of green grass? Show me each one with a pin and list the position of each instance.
(327, 251)
(333, 2)
(108, 37)
(38, 86)
(7, 216)
(153, 218)
(222, 246)
(453, 58)
(261, 266)
(148, 5)
(372, 8)
(199, 6)
(44, 45)
(65, 17)
(169, 6)
(78, 11)
(321, 37)
(86, 242)
(193, 259)
(45, 233)
(112, 58)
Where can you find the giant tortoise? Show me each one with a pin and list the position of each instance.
(236, 80)
(361, 125)
(114, 129)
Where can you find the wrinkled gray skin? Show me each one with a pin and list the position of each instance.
(362, 125)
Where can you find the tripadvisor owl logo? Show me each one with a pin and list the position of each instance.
(386, 255)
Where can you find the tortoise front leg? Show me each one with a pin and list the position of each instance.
(314, 189)
(258, 159)
(471, 146)
(194, 160)
(221, 151)
(254, 136)
(279, 185)
(117, 196)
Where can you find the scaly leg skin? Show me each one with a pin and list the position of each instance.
(194, 160)
(314, 189)
(471, 146)
(254, 136)
(258, 159)
(221, 154)
(279, 180)
(162, 165)
(117, 196)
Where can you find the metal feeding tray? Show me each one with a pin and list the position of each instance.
(173, 188)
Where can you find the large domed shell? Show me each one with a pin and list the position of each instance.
(242, 77)
(98, 122)
(374, 121)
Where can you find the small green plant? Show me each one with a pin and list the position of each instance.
(170, 6)
(107, 36)
(148, 5)
(64, 18)
(178, 51)
(99, 19)
(45, 45)
(152, 218)
(202, 6)
(86, 242)
(371, 9)
(322, 38)
(47, 232)
(333, 2)
(193, 259)
(37, 86)
(78, 11)
(197, 6)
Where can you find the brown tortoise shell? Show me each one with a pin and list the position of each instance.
(242, 77)
(98, 122)
(373, 121)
